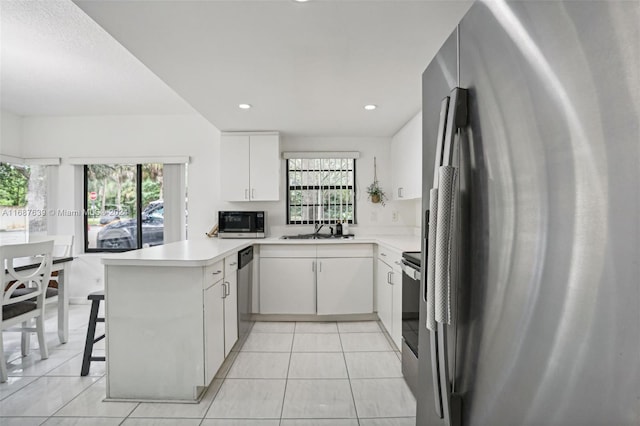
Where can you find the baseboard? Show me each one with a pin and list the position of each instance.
(311, 317)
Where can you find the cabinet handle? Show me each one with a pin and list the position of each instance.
(246, 194)
(227, 289)
(320, 265)
(397, 263)
(313, 266)
(234, 263)
(383, 254)
(253, 193)
(224, 290)
(216, 272)
(400, 192)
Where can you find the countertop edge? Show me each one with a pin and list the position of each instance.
(207, 252)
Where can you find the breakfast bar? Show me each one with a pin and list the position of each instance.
(171, 320)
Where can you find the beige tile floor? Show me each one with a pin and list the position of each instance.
(286, 373)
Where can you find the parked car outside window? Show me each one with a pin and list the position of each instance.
(122, 233)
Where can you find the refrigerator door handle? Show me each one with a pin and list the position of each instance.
(456, 118)
(427, 289)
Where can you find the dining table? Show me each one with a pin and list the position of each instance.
(59, 265)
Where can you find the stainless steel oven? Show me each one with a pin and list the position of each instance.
(411, 262)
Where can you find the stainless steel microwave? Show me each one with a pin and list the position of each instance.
(243, 224)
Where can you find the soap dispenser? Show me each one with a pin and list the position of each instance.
(338, 228)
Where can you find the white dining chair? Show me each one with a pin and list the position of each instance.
(18, 311)
(62, 244)
(62, 247)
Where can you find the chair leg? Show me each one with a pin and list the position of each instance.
(44, 351)
(25, 342)
(3, 364)
(91, 333)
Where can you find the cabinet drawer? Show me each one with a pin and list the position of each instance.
(345, 250)
(389, 256)
(288, 250)
(230, 264)
(213, 273)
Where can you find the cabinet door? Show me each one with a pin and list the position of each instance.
(213, 330)
(287, 286)
(264, 162)
(230, 312)
(234, 168)
(406, 154)
(345, 286)
(384, 293)
(396, 304)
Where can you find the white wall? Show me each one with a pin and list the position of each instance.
(372, 218)
(122, 136)
(10, 134)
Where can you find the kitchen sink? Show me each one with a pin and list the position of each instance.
(317, 237)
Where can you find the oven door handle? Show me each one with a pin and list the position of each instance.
(412, 273)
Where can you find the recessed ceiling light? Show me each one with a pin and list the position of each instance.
(244, 106)
(370, 107)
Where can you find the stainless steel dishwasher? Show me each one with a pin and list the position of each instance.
(245, 288)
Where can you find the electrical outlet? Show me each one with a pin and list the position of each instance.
(394, 216)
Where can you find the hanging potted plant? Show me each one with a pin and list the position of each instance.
(376, 194)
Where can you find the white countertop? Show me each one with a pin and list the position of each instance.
(202, 252)
(182, 253)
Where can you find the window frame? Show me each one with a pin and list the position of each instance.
(85, 215)
(288, 188)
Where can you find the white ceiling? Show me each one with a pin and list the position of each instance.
(307, 68)
(55, 60)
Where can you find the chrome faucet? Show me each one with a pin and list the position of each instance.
(317, 228)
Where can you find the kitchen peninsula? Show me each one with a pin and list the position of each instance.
(165, 312)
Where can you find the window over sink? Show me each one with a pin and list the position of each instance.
(320, 190)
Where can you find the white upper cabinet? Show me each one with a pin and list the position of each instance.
(250, 166)
(406, 160)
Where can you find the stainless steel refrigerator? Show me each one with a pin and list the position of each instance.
(531, 257)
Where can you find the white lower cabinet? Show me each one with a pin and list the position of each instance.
(230, 287)
(316, 279)
(214, 351)
(287, 285)
(163, 318)
(389, 293)
(396, 327)
(345, 286)
(384, 295)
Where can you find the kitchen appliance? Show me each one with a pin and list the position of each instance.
(245, 290)
(530, 303)
(410, 315)
(241, 224)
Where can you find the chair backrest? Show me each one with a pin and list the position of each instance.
(62, 244)
(37, 277)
